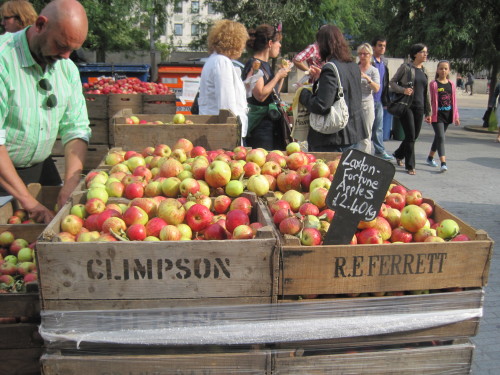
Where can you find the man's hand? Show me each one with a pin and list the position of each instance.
(63, 196)
(38, 212)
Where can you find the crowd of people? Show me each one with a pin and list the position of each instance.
(366, 88)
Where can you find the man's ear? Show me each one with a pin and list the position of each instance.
(41, 22)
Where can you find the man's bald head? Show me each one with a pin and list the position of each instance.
(61, 28)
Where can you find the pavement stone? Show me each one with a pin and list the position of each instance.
(470, 190)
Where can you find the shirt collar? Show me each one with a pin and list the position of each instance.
(22, 46)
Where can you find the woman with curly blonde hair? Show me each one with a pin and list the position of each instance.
(221, 86)
(16, 15)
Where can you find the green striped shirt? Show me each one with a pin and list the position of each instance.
(28, 127)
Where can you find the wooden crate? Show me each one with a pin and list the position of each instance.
(97, 106)
(47, 195)
(95, 153)
(117, 102)
(156, 104)
(249, 362)
(341, 269)
(411, 358)
(406, 306)
(100, 131)
(20, 343)
(159, 274)
(211, 132)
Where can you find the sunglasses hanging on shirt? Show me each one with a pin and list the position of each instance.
(46, 86)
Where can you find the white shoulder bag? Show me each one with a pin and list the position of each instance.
(338, 117)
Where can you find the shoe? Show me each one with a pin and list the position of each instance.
(384, 156)
(431, 162)
(444, 168)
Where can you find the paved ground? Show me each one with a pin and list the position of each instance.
(471, 190)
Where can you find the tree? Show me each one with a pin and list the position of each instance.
(466, 33)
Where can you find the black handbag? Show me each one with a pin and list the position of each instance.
(400, 102)
(399, 105)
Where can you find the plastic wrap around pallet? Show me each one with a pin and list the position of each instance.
(259, 324)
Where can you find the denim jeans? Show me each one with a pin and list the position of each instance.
(378, 129)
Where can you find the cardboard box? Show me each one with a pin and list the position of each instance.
(118, 275)
(211, 132)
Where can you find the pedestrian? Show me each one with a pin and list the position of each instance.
(16, 15)
(221, 86)
(444, 111)
(264, 121)
(381, 97)
(411, 79)
(309, 57)
(470, 83)
(334, 48)
(370, 84)
(42, 101)
(495, 106)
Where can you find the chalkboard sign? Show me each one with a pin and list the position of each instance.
(356, 193)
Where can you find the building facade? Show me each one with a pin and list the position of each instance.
(186, 22)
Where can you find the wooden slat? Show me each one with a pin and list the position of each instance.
(208, 363)
(20, 361)
(97, 106)
(153, 104)
(453, 359)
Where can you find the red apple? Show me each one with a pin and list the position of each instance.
(310, 237)
(399, 189)
(400, 234)
(95, 206)
(461, 237)
(71, 224)
(327, 214)
(198, 217)
(114, 224)
(276, 205)
(215, 232)
(290, 225)
(243, 232)
(395, 200)
(218, 174)
(221, 204)
(309, 209)
(413, 218)
(369, 236)
(241, 203)
(154, 226)
(384, 228)
(134, 190)
(414, 197)
(135, 215)
(236, 217)
(427, 208)
(289, 180)
(251, 169)
(271, 168)
(170, 168)
(136, 232)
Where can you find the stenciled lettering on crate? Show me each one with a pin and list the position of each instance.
(159, 269)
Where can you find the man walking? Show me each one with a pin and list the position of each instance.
(381, 97)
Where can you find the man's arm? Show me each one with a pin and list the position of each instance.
(301, 65)
(13, 184)
(74, 156)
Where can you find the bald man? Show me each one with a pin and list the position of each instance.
(41, 98)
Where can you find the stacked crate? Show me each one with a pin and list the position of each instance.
(21, 346)
(222, 131)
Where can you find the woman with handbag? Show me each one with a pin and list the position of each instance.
(340, 73)
(411, 79)
(264, 119)
(221, 86)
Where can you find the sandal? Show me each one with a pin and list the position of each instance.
(411, 172)
(398, 161)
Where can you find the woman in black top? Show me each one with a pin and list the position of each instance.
(263, 129)
(411, 120)
(334, 48)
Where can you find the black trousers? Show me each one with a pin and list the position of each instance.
(412, 123)
(44, 173)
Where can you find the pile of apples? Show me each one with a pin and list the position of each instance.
(131, 85)
(17, 263)
(297, 182)
(195, 217)
(20, 216)
(178, 119)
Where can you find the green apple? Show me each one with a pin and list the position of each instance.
(179, 118)
(447, 229)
